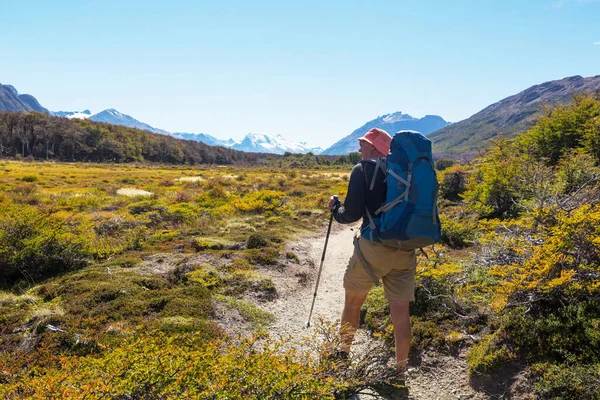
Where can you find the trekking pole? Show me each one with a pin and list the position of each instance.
(321, 266)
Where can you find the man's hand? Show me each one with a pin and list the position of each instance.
(334, 202)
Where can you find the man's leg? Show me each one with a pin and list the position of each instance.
(350, 317)
(402, 333)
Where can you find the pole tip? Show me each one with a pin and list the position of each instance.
(307, 325)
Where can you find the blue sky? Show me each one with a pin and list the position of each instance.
(309, 70)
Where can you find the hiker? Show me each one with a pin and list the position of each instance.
(394, 267)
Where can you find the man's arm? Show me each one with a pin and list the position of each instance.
(354, 203)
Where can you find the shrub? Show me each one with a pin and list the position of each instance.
(564, 127)
(457, 234)
(566, 381)
(181, 213)
(266, 256)
(145, 206)
(34, 245)
(180, 366)
(453, 183)
(444, 163)
(256, 241)
(25, 189)
(575, 171)
(207, 243)
(495, 186)
(489, 354)
(30, 178)
(261, 201)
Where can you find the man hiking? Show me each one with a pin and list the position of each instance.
(373, 261)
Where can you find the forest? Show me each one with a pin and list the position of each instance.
(38, 136)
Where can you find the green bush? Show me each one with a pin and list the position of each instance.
(489, 354)
(34, 245)
(30, 178)
(563, 128)
(567, 381)
(496, 184)
(575, 171)
(181, 213)
(444, 163)
(256, 241)
(453, 183)
(556, 332)
(145, 206)
(457, 234)
(266, 256)
(209, 243)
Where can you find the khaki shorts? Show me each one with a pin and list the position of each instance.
(395, 268)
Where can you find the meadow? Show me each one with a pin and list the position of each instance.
(99, 257)
(111, 273)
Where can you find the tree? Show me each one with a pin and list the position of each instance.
(562, 128)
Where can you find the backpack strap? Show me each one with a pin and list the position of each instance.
(403, 196)
(372, 225)
(379, 164)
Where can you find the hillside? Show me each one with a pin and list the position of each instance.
(509, 116)
(11, 100)
(391, 123)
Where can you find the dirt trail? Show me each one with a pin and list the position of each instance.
(436, 377)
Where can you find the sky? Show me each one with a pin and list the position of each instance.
(312, 71)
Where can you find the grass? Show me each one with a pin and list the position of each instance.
(153, 264)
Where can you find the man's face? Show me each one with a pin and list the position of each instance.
(366, 149)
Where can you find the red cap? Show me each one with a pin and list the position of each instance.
(379, 138)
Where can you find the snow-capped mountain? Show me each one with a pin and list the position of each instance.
(391, 123)
(85, 114)
(110, 116)
(204, 138)
(254, 142)
(276, 144)
(115, 117)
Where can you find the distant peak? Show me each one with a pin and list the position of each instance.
(12, 89)
(113, 112)
(395, 117)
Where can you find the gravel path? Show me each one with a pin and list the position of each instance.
(436, 377)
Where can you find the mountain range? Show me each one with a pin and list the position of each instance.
(509, 116)
(504, 118)
(11, 100)
(391, 123)
(254, 143)
(110, 116)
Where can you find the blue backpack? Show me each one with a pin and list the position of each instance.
(409, 218)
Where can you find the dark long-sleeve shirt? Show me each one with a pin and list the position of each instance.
(359, 197)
